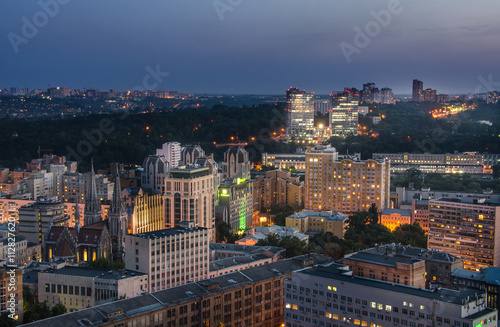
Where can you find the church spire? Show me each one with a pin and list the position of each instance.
(93, 211)
(117, 219)
(116, 205)
(77, 216)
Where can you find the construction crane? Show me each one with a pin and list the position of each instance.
(42, 150)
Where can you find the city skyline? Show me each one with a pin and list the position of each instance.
(206, 49)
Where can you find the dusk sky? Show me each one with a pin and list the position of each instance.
(260, 47)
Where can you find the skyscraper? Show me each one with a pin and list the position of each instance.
(430, 95)
(386, 96)
(343, 116)
(299, 115)
(172, 152)
(418, 93)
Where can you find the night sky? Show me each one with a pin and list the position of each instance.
(258, 47)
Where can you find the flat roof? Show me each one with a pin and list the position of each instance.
(98, 315)
(442, 295)
(167, 232)
(381, 259)
(95, 272)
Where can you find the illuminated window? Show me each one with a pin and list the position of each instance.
(295, 307)
(388, 308)
(373, 304)
(288, 305)
(380, 306)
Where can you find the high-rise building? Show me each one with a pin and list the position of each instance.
(236, 198)
(171, 257)
(299, 115)
(418, 91)
(467, 228)
(368, 93)
(344, 118)
(345, 185)
(386, 96)
(322, 106)
(172, 152)
(236, 163)
(35, 219)
(278, 187)
(189, 196)
(155, 171)
(430, 95)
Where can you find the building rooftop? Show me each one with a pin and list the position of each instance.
(333, 272)
(167, 232)
(412, 252)
(402, 212)
(96, 273)
(381, 260)
(189, 172)
(477, 200)
(245, 249)
(332, 216)
(489, 275)
(108, 313)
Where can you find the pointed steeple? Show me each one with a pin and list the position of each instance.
(117, 205)
(117, 219)
(93, 210)
(77, 216)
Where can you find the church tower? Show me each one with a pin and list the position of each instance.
(93, 211)
(117, 219)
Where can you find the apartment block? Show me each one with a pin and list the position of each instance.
(347, 185)
(467, 228)
(171, 257)
(331, 296)
(236, 199)
(487, 279)
(278, 187)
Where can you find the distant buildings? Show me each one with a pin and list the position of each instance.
(261, 233)
(315, 222)
(418, 91)
(236, 163)
(386, 96)
(344, 118)
(430, 95)
(467, 228)
(346, 185)
(330, 295)
(299, 115)
(171, 257)
(322, 106)
(285, 161)
(468, 162)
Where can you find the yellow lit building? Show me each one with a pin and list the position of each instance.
(345, 185)
(392, 218)
(304, 221)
